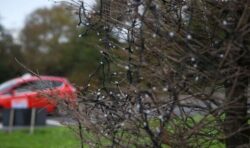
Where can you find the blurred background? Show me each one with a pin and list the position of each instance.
(43, 36)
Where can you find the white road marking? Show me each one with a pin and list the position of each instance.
(53, 122)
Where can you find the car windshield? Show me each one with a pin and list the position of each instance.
(7, 85)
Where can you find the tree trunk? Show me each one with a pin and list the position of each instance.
(236, 126)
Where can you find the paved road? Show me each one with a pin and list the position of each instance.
(52, 121)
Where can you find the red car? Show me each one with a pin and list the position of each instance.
(35, 92)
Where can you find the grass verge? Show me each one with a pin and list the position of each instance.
(43, 137)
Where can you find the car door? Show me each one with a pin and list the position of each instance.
(34, 91)
(21, 95)
(42, 99)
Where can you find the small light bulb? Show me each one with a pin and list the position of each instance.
(154, 88)
(161, 117)
(171, 34)
(224, 22)
(138, 106)
(165, 89)
(189, 37)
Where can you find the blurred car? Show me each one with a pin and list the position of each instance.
(35, 92)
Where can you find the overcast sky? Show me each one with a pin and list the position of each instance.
(14, 12)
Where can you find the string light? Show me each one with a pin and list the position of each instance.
(196, 78)
(224, 22)
(138, 106)
(154, 88)
(171, 34)
(189, 37)
(165, 89)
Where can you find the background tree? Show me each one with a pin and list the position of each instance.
(52, 47)
(180, 78)
(8, 51)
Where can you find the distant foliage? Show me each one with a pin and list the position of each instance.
(9, 50)
(49, 35)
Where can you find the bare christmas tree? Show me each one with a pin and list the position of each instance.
(174, 73)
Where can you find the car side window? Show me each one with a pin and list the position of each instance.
(26, 87)
(37, 85)
(57, 83)
(47, 84)
(44, 84)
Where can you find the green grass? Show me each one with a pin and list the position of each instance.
(63, 137)
(190, 123)
(42, 138)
